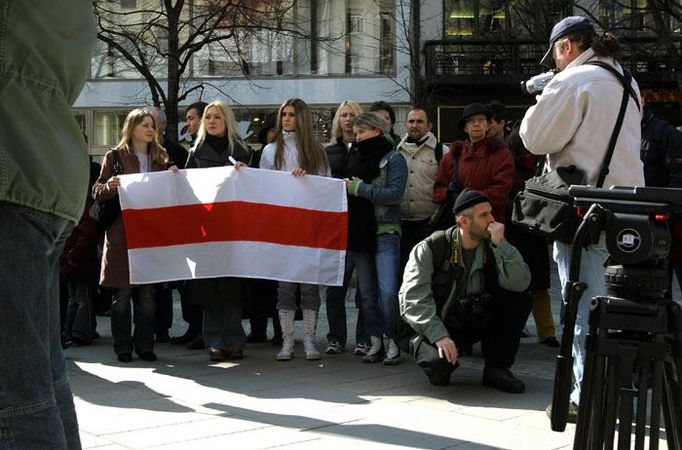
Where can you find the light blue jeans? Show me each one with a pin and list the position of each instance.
(591, 272)
(387, 260)
(36, 405)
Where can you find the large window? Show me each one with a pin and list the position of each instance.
(473, 17)
(629, 17)
(355, 37)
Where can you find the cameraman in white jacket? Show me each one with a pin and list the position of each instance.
(572, 122)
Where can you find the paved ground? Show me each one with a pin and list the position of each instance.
(183, 401)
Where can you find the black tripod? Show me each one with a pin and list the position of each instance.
(633, 346)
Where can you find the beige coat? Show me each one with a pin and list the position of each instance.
(422, 170)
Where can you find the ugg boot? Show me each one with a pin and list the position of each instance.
(376, 352)
(393, 354)
(309, 326)
(286, 318)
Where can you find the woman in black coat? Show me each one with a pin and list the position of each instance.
(218, 141)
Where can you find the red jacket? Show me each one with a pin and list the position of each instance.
(486, 166)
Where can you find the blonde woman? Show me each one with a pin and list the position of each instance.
(341, 152)
(139, 152)
(295, 150)
(223, 298)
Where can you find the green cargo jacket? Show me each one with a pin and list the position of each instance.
(417, 305)
(45, 49)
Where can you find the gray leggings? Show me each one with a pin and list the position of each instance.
(286, 296)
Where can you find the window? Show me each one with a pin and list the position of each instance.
(107, 127)
(473, 17)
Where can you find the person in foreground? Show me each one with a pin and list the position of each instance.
(463, 285)
(45, 50)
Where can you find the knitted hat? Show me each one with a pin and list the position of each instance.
(565, 27)
(468, 198)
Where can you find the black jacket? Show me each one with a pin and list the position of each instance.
(661, 152)
(206, 156)
(340, 157)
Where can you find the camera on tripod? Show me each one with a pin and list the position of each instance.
(634, 342)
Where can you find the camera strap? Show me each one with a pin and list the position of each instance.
(626, 79)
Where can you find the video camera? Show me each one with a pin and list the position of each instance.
(536, 84)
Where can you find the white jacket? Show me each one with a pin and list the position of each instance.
(574, 118)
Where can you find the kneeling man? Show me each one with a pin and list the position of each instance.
(464, 285)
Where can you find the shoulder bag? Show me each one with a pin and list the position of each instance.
(105, 212)
(545, 208)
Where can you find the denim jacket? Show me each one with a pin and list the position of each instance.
(386, 190)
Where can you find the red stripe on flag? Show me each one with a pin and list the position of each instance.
(235, 221)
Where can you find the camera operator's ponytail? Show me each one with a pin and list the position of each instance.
(607, 45)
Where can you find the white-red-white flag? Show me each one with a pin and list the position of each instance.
(253, 223)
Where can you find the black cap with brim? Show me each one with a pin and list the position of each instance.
(472, 110)
(565, 27)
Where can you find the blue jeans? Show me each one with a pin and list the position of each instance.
(387, 260)
(143, 316)
(591, 272)
(367, 282)
(36, 405)
(335, 302)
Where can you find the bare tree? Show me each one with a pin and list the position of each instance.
(160, 39)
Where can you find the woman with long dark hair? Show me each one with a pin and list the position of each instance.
(295, 150)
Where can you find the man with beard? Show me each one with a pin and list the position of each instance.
(463, 285)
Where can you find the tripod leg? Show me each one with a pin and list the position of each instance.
(612, 398)
(672, 413)
(628, 354)
(640, 421)
(590, 377)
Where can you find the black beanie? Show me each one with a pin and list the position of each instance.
(468, 198)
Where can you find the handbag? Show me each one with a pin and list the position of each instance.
(105, 212)
(545, 208)
(444, 216)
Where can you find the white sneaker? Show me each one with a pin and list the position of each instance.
(361, 349)
(334, 348)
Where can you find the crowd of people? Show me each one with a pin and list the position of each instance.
(429, 286)
(394, 186)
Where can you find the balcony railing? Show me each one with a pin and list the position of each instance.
(480, 61)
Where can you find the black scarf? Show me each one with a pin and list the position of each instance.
(370, 153)
(219, 143)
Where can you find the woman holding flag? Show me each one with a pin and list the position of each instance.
(138, 151)
(219, 144)
(295, 150)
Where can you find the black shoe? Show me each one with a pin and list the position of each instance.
(196, 344)
(256, 338)
(182, 340)
(378, 356)
(148, 356)
(502, 379)
(163, 338)
(550, 342)
(125, 357)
